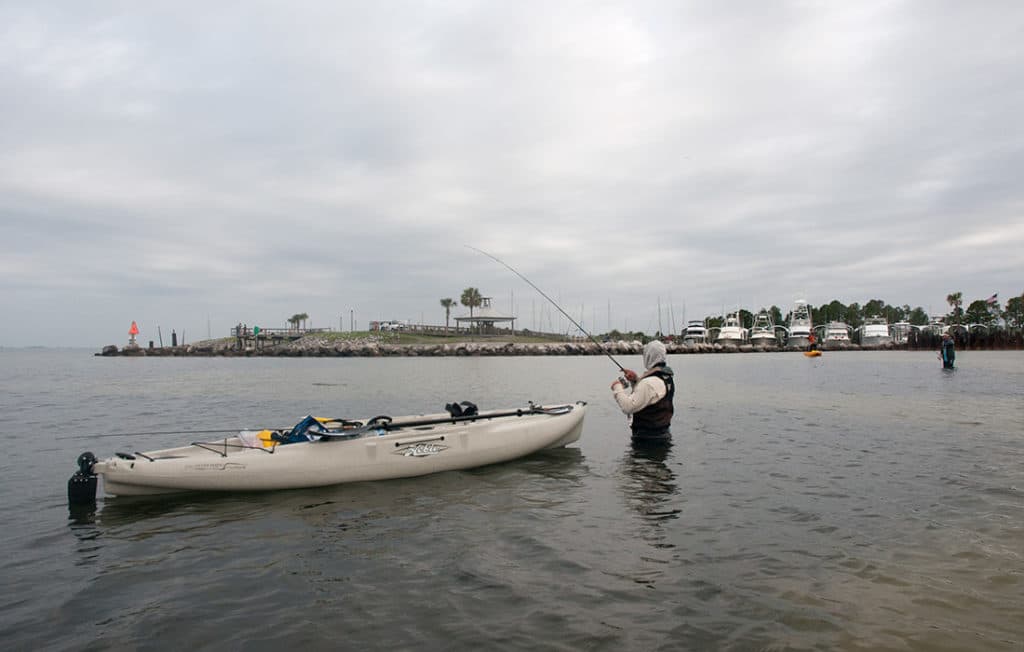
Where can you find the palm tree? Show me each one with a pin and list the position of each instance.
(298, 318)
(471, 298)
(447, 304)
(955, 300)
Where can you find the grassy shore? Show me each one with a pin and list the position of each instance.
(399, 337)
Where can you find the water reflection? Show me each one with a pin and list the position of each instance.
(650, 487)
(82, 523)
(82, 514)
(124, 510)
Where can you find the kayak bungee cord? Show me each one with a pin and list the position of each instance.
(568, 316)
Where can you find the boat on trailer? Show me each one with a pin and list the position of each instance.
(875, 333)
(696, 332)
(731, 334)
(901, 332)
(762, 333)
(798, 334)
(325, 451)
(837, 335)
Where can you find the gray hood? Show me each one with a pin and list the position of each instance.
(654, 352)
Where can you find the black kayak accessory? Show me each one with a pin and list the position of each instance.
(82, 485)
(461, 409)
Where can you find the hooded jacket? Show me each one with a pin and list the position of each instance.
(650, 402)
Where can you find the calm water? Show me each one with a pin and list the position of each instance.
(862, 500)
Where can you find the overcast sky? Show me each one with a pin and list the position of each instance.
(190, 166)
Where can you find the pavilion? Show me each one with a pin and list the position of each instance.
(485, 317)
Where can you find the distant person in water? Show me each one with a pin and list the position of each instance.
(649, 401)
(947, 352)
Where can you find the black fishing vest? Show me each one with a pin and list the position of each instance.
(948, 353)
(655, 419)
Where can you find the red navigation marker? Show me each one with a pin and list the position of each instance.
(134, 330)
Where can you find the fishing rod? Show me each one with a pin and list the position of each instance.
(582, 330)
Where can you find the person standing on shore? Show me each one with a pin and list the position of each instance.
(649, 403)
(947, 352)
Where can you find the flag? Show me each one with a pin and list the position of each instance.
(992, 299)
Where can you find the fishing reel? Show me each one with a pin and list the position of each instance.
(624, 377)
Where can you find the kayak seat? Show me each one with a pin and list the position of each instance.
(309, 429)
(463, 409)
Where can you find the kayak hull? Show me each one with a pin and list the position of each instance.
(234, 464)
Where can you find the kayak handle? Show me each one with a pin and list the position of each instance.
(418, 440)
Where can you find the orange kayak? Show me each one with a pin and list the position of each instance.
(812, 354)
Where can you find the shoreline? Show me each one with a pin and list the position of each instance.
(373, 347)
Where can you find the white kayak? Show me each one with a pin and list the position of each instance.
(320, 452)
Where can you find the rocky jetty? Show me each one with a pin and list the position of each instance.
(370, 347)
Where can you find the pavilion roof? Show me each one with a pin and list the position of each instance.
(485, 313)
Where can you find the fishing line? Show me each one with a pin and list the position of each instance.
(568, 316)
(166, 432)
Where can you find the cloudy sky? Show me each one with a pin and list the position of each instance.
(190, 166)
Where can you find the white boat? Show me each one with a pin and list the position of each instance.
(732, 333)
(936, 326)
(319, 452)
(901, 332)
(837, 335)
(874, 333)
(800, 326)
(762, 333)
(695, 333)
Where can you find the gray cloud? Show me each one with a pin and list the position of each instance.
(184, 165)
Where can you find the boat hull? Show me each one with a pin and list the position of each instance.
(764, 341)
(876, 341)
(231, 465)
(730, 338)
(836, 344)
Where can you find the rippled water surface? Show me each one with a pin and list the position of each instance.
(862, 500)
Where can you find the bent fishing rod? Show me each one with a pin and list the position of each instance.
(568, 316)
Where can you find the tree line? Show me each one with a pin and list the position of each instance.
(986, 312)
